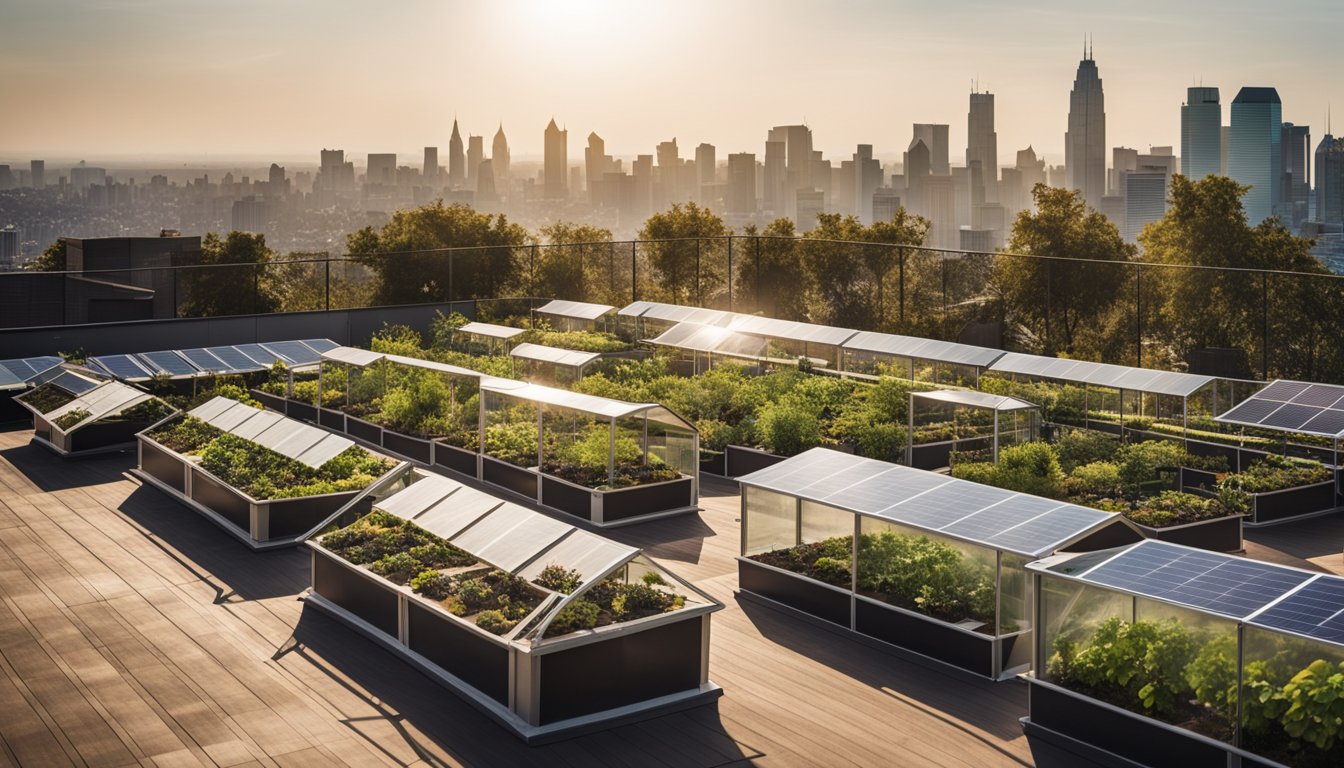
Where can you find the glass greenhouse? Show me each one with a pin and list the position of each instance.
(486, 338)
(1165, 654)
(574, 315)
(550, 365)
(965, 421)
(922, 561)
(77, 415)
(920, 360)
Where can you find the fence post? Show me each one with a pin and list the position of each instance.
(943, 256)
(327, 263)
(634, 271)
(699, 297)
(532, 272)
(730, 273)
(1138, 315)
(1264, 327)
(452, 295)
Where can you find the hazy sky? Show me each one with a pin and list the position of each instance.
(110, 79)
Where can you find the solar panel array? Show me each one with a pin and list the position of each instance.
(211, 361)
(1102, 374)
(1315, 610)
(491, 330)
(1292, 406)
(981, 514)
(73, 382)
(501, 533)
(290, 438)
(1213, 582)
(579, 310)
(106, 399)
(555, 355)
(18, 372)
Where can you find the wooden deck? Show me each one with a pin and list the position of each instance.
(134, 632)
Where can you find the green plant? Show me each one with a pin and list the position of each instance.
(559, 579)
(579, 614)
(72, 417)
(634, 600)
(831, 570)
(494, 622)
(1079, 447)
(147, 412)
(1140, 462)
(436, 585)
(399, 567)
(1139, 665)
(927, 575)
(514, 442)
(1099, 479)
(1315, 699)
(1212, 675)
(1175, 508)
(787, 428)
(474, 592)
(47, 398)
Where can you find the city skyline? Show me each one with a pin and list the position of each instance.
(521, 63)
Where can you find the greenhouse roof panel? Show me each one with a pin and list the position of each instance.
(491, 330)
(26, 368)
(258, 423)
(9, 381)
(72, 382)
(976, 399)
(1102, 374)
(107, 399)
(980, 514)
(1292, 406)
(124, 367)
(579, 310)
(290, 438)
(675, 313)
(923, 349)
(457, 511)
(353, 356)
(555, 355)
(511, 536)
(1210, 581)
(294, 352)
(432, 365)
(790, 330)
(321, 345)
(591, 555)
(236, 360)
(563, 398)
(424, 493)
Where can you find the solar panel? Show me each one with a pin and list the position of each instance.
(21, 369)
(1007, 514)
(203, 360)
(1315, 610)
(168, 362)
(261, 355)
(1045, 533)
(122, 367)
(296, 351)
(1252, 411)
(1329, 422)
(1320, 395)
(74, 384)
(321, 345)
(9, 381)
(1282, 391)
(234, 359)
(25, 368)
(1222, 584)
(1290, 417)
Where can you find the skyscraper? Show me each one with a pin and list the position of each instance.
(457, 160)
(667, 182)
(429, 171)
(38, 173)
(475, 154)
(1330, 180)
(934, 136)
(381, 168)
(742, 183)
(705, 162)
(982, 144)
(595, 164)
(500, 160)
(1201, 133)
(1295, 188)
(1085, 141)
(556, 164)
(772, 197)
(1254, 152)
(867, 179)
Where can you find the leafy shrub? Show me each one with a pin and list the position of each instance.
(187, 436)
(1029, 468)
(559, 579)
(579, 614)
(514, 442)
(1080, 447)
(1315, 699)
(787, 429)
(417, 407)
(927, 575)
(1175, 508)
(804, 559)
(1275, 473)
(1099, 479)
(579, 341)
(1140, 462)
(1140, 665)
(831, 570)
(982, 472)
(473, 593)
(399, 567)
(494, 621)
(1212, 675)
(72, 417)
(436, 585)
(147, 412)
(440, 555)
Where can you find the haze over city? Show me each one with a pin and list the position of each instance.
(117, 81)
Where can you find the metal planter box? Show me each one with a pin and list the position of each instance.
(740, 460)
(261, 524)
(1104, 732)
(459, 460)
(1220, 534)
(414, 448)
(1280, 506)
(938, 455)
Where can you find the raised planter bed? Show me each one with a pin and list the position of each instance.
(1219, 534)
(414, 448)
(740, 460)
(539, 684)
(824, 601)
(103, 418)
(1070, 719)
(274, 402)
(938, 455)
(331, 419)
(366, 431)
(515, 479)
(1196, 480)
(302, 411)
(1289, 503)
(457, 459)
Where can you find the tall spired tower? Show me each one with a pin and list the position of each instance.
(499, 158)
(457, 160)
(1085, 141)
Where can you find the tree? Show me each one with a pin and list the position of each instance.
(1061, 296)
(577, 262)
(409, 265)
(308, 281)
(51, 260)
(1205, 226)
(683, 261)
(231, 278)
(849, 274)
(902, 229)
(770, 276)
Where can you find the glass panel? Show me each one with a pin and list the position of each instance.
(1191, 666)
(1290, 703)
(934, 575)
(1071, 614)
(824, 522)
(771, 521)
(510, 429)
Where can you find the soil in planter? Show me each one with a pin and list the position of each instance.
(494, 600)
(826, 561)
(47, 398)
(610, 601)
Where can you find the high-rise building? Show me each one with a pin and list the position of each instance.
(1085, 141)
(84, 176)
(917, 176)
(642, 171)
(1255, 153)
(500, 160)
(1224, 138)
(810, 204)
(556, 163)
(37, 174)
(1295, 188)
(1201, 133)
(1330, 180)
(1032, 168)
(982, 144)
(742, 183)
(773, 174)
(6, 177)
(382, 169)
(867, 178)
(667, 179)
(596, 165)
(934, 136)
(485, 182)
(941, 210)
(429, 171)
(475, 155)
(1122, 159)
(457, 160)
(9, 247)
(705, 163)
(886, 202)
